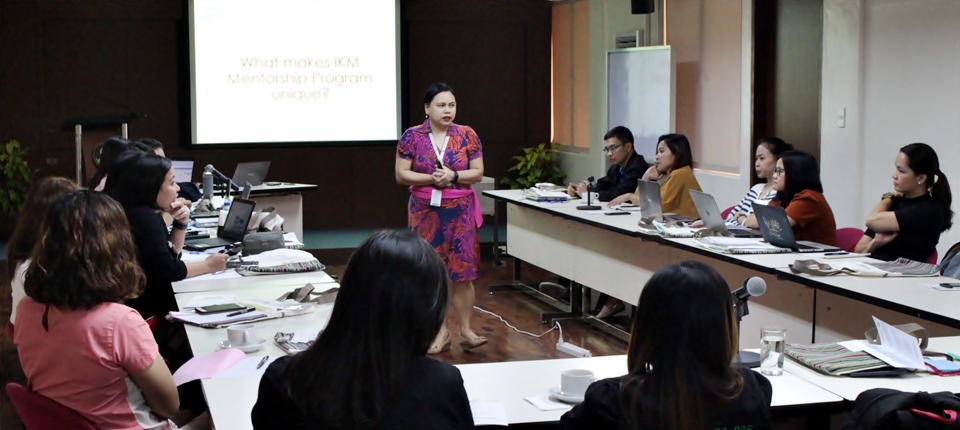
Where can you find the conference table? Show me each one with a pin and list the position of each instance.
(613, 255)
(231, 397)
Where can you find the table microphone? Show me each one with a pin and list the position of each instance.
(220, 176)
(589, 206)
(752, 287)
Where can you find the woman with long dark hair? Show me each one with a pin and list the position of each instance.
(682, 344)
(908, 221)
(769, 150)
(800, 192)
(368, 368)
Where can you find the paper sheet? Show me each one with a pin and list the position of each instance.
(488, 413)
(545, 403)
(896, 348)
(247, 368)
(226, 274)
(209, 299)
(219, 318)
(188, 256)
(207, 365)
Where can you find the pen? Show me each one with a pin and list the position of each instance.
(233, 314)
(263, 361)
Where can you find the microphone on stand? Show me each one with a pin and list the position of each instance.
(752, 287)
(589, 206)
(223, 178)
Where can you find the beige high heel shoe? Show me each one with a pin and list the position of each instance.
(442, 346)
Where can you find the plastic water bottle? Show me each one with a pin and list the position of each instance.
(223, 214)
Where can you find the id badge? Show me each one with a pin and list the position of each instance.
(435, 197)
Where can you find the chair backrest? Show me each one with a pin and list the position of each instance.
(726, 212)
(848, 237)
(38, 412)
(933, 257)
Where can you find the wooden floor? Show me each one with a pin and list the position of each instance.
(505, 344)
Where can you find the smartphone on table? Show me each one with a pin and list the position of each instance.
(215, 309)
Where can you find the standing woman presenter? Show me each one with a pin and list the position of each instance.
(440, 161)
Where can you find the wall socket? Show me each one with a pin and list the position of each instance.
(576, 351)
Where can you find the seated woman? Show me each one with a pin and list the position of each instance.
(682, 344)
(110, 151)
(368, 368)
(27, 232)
(769, 150)
(78, 345)
(907, 222)
(799, 191)
(673, 168)
(144, 184)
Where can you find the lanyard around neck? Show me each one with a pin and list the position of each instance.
(440, 150)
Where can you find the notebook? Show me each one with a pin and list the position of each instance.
(254, 172)
(234, 228)
(712, 219)
(776, 230)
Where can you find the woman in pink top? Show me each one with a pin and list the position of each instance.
(440, 161)
(78, 345)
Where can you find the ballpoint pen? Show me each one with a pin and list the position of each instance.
(233, 314)
(263, 361)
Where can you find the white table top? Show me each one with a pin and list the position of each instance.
(849, 388)
(231, 399)
(290, 279)
(511, 382)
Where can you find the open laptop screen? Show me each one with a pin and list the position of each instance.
(182, 170)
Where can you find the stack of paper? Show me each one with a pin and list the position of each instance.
(739, 245)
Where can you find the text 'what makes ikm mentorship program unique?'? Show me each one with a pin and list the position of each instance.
(299, 79)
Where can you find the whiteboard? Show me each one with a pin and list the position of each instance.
(640, 94)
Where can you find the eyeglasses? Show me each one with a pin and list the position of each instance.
(777, 171)
(611, 148)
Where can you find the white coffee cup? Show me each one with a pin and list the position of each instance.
(574, 382)
(594, 197)
(241, 335)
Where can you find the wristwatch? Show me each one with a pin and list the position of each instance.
(179, 225)
(886, 196)
(456, 176)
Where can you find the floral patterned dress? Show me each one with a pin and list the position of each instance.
(451, 227)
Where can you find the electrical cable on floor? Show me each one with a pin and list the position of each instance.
(556, 326)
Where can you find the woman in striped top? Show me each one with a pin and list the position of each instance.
(767, 154)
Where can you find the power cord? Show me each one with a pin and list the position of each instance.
(518, 330)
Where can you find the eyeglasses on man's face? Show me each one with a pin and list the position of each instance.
(611, 148)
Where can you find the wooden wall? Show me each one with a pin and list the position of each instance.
(60, 59)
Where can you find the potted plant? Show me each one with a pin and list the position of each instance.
(537, 164)
(15, 179)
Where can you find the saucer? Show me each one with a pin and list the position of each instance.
(557, 394)
(253, 347)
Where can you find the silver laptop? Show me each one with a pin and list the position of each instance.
(776, 230)
(254, 172)
(713, 219)
(651, 207)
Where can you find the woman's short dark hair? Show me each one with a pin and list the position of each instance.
(775, 145)
(148, 144)
(111, 150)
(135, 179)
(923, 160)
(433, 90)
(85, 255)
(390, 307)
(682, 342)
(680, 147)
(36, 204)
(802, 174)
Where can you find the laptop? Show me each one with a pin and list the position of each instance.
(775, 228)
(182, 170)
(254, 172)
(234, 228)
(650, 203)
(712, 218)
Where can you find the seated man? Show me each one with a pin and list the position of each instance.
(626, 167)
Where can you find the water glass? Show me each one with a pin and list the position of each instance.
(772, 341)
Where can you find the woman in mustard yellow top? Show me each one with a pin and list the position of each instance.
(674, 170)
